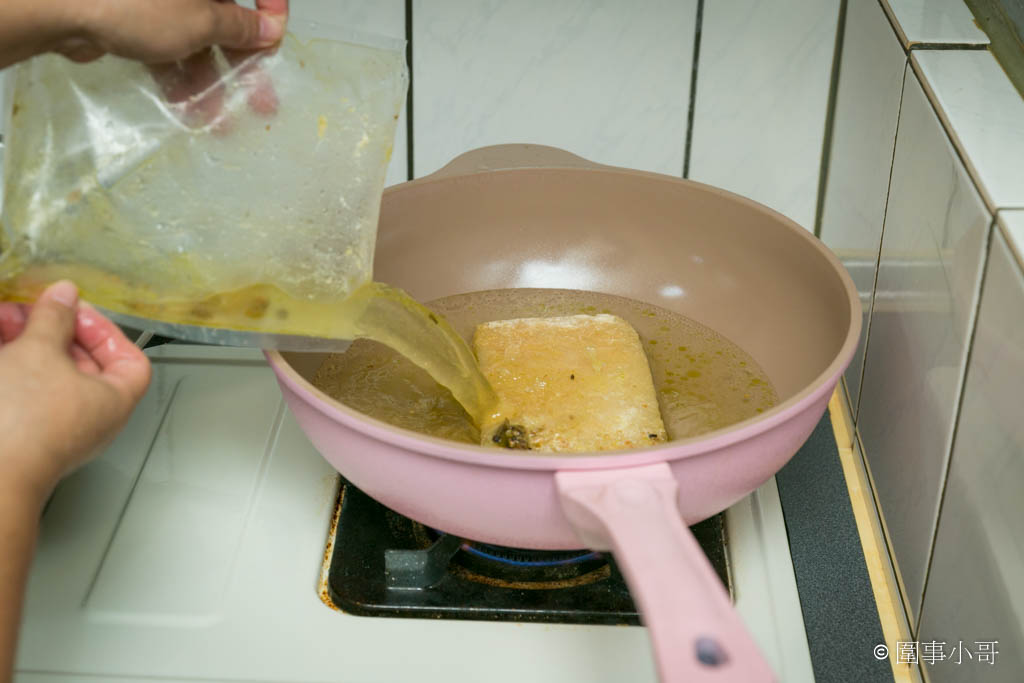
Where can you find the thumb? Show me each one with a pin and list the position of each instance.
(239, 28)
(52, 318)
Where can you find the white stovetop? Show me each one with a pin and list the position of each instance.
(191, 550)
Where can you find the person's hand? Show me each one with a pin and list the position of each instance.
(69, 380)
(195, 90)
(161, 31)
(151, 31)
(174, 37)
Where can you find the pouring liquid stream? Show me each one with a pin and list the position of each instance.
(374, 311)
(391, 317)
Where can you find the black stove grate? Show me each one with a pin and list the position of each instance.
(384, 564)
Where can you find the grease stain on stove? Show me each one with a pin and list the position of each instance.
(325, 567)
(590, 577)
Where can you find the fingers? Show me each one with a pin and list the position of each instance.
(193, 86)
(78, 50)
(196, 90)
(157, 31)
(120, 362)
(83, 361)
(262, 97)
(240, 28)
(12, 322)
(279, 7)
(52, 318)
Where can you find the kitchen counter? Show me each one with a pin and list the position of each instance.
(840, 613)
(167, 556)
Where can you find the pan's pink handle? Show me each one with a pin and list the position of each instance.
(696, 633)
(503, 157)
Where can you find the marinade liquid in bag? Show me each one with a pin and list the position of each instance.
(228, 199)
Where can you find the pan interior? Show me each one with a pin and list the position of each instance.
(749, 274)
(703, 382)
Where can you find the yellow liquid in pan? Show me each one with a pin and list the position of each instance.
(703, 380)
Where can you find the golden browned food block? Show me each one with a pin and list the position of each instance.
(571, 384)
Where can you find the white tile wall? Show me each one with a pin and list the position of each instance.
(762, 91)
(932, 245)
(382, 17)
(863, 135)
(607, 79)
(864, 131)
(974, 590)
(935, 22)
(985, 115)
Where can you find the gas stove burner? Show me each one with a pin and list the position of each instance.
(384, 564)
(528, 569)
(529, 558)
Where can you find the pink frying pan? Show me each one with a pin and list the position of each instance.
(530, 216)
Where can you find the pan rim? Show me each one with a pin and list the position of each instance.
(715, 440)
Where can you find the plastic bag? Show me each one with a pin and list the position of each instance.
(229, 199)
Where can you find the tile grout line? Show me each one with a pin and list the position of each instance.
(131, 495)
(890, 548)
(1017, 251)
(256, 492)
(938, 47)
(990, 206)
(830, 114)
(951, 136)
(691, 109)
(883, 529)
(910, 68)
(932, 98)
(878, 256)
(987, 247)
(409, 154)
(849, 400)
(908, 45)
(901, 37)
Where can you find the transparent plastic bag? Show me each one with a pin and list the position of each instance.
(232, 199)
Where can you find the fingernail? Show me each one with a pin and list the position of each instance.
(271, 29)
(63, 292)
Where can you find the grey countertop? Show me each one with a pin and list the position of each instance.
(840, 614)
